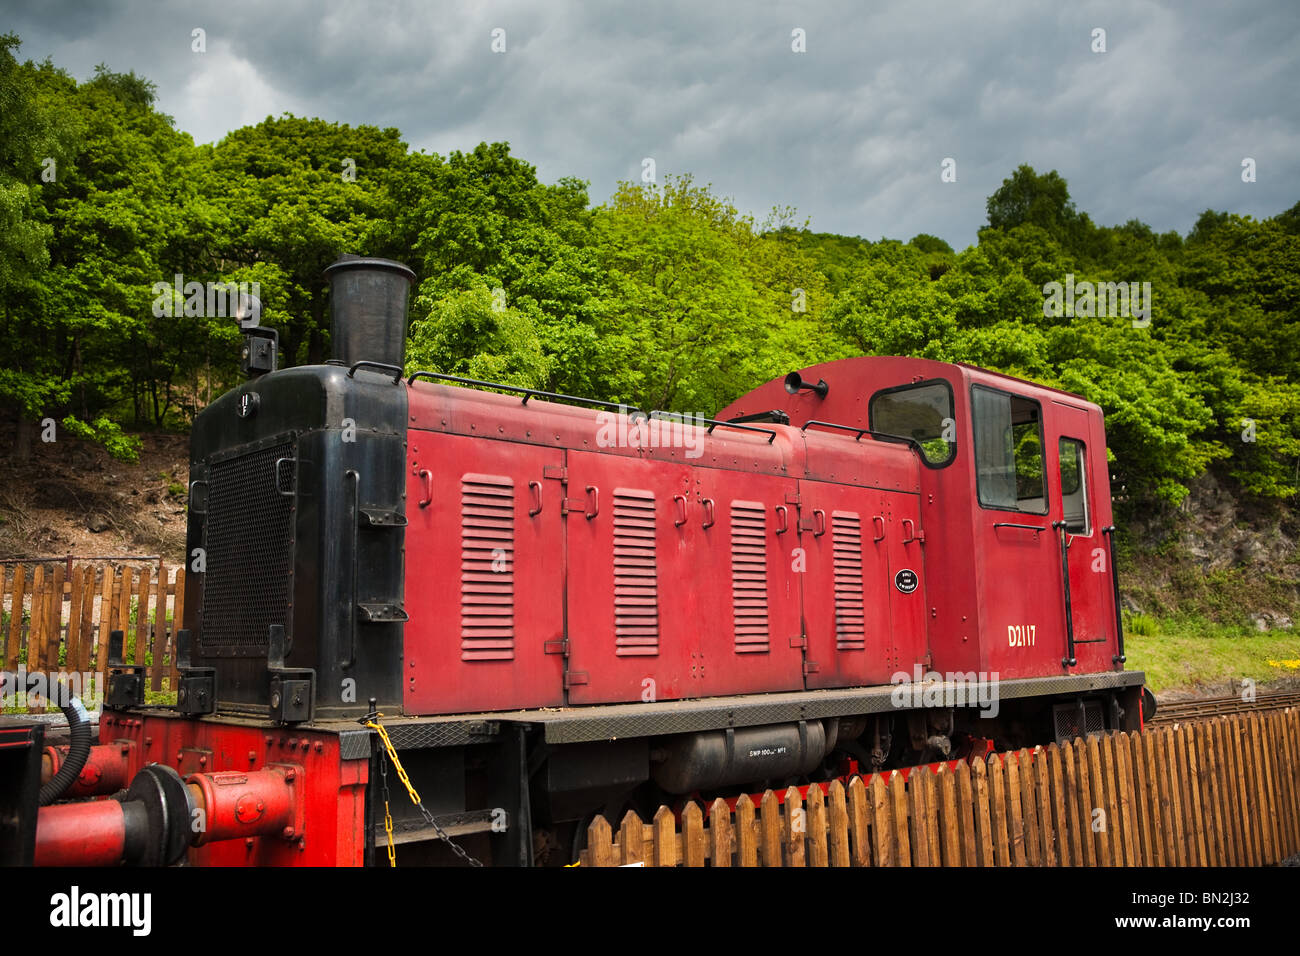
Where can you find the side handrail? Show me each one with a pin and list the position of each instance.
(1119, 658)
(1069, 660)
(879, 436)
(715, 423)
(377, 366)
(527, 393)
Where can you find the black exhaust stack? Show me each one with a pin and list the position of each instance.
(368, 310)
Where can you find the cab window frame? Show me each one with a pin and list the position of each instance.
(1082, 485)
(1042, 445)
(952, 413)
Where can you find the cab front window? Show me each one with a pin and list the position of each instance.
(921, 412)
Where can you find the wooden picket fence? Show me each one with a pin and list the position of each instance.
(1223, 791)
(58, 617)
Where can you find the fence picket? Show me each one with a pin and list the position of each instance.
(1073, 827)
(85, 627)
(983, 816)
(720, 833)
(899, 821)
(945, 787)
(693, 848)
(36, 622)
(158, 630)
(73, 634)
(665, 838)
(1141, 803)
(770, 830)
(1043, 800)
(599, 843)
(998, 805)
(142, 617)
(860, 816)
(1029, 809)
(966, 815)
(1015, 814)
(838, 822)
(746, 833)
(818, 853)
(796, 828)
(105, 620)
(54, 625)
(918, 810)
(881, 823)
(1126, 829)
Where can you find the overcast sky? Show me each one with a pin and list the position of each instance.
(853, 132)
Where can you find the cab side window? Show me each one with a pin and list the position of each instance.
(1010, 469)
(1074, 497)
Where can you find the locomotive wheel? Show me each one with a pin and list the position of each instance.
(1148, 704)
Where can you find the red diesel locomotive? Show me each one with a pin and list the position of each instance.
(561, 606)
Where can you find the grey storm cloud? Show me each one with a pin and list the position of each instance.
(852, 132)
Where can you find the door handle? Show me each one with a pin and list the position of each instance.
(879, 521)
(426, 477)
(593, 496)
(680, 502)
(914, 535)
(536, 488)
(708, 513)
(784, 513)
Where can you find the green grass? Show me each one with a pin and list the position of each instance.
(1185, 652)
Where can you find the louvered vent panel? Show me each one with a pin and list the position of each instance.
(846, 539)
(487, 568)
(636, 585)
(749, 576)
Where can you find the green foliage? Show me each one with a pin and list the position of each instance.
(1140, 624)
(466, 333)
(107, 433)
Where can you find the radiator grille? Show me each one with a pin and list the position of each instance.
(636, 588)
(487, 568)
(248, 551)
(749, 576)
(1071, 722)
(846, 539)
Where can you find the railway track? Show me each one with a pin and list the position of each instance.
(1216, 706)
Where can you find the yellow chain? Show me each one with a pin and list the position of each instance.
(392, 755)
(388, 816)
(388, 828)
